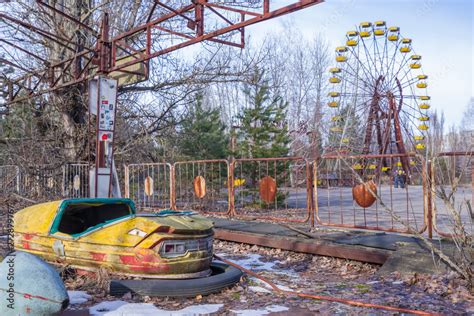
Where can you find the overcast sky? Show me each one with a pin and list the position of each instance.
(442, 32)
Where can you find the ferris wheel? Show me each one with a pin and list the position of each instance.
(379, 99)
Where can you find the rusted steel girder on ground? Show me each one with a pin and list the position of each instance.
(104, 54)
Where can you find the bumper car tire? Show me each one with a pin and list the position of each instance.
(223, 276)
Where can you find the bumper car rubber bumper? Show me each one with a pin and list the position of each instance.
(222, 276)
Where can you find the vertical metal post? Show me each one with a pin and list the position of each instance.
(242, 31)
(429, 182)
(63, 191)
(104, 49)
(266, 6)
(172, 187)
(472, 181)
(127, 181)
(309, 192)
(199, 17)
(17, 179)
(315, 193)
(230, 186)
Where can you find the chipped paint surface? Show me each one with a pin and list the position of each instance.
(112, 247)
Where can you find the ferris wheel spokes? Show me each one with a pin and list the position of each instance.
(379, 102)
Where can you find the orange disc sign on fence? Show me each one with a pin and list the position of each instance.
(199, 186)
(268, 189)
(361, 194)
(148, 186)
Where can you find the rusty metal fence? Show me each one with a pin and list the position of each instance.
(452, 192)
(40, 182)
(202, 185)
(75, 180)
(397, 207)
(437, 195)
(9, 179)
(46, 182)
(149, 185)
(276, 189)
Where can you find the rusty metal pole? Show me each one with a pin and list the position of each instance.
(429, 182)
(315, 192)
(472, 181)
(199, 17)
(230, 186)
(310, 179)
(104, 49)
(172, 187)
(127, 181)
(266, 6)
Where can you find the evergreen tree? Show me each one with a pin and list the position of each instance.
(203, 133)
(263, 131)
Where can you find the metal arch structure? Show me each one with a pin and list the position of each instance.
(87, 62)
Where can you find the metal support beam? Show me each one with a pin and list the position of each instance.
(103, 53)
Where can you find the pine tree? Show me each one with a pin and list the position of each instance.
(203, 133)
(263, 130)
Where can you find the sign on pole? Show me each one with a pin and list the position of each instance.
(103, 103)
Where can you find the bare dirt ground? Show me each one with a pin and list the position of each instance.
(444, 294)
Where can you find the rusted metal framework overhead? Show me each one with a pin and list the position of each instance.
(203, 20)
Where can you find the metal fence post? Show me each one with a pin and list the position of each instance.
(63, 185)
(430, 188)
(127, 181)
(17, 179)
(230, 187)
(312, 184)
(172, 186)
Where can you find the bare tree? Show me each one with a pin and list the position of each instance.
(146, 110)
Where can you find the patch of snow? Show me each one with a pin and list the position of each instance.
(121, 308)
(104, 307)
(373, 282)
(78, 297)
(199, 309)
(259, 289)
(284, 288)
(277, 308)
(397, 282)
(259, 312)
(252, 262)
(266, 285)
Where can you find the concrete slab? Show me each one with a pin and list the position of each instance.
(253, 227)
(410, 258)
(378, 240)
(396, 252)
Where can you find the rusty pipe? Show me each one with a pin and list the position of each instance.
(326, 297)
